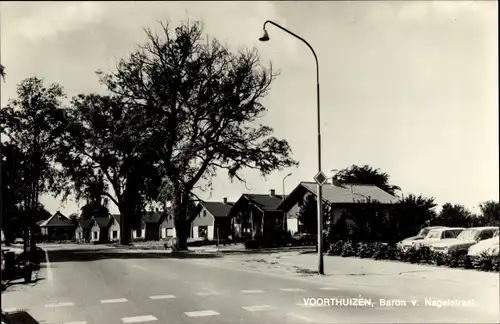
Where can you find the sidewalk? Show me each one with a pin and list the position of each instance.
(395, 279)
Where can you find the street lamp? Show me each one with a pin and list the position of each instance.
(285, 227)
(265, 38)
(283, 198)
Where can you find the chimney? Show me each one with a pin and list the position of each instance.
(272, 192)
(157, 210)
(224, 200)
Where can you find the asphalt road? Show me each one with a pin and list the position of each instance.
(101, 287)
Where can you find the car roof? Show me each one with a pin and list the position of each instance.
(484, 228)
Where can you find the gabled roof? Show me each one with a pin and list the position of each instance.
(217, 208)
(117, 217)
(265, 201)
(57, 220)
(84, 223)
(340, 194)
(152, 217)
(102, 222)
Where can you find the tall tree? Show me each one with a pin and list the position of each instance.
(366, 175)
(205, 103)
(409, 215)
(453, 215)
(106, 146)
(13, 190)
(490, 212)
(33, 123)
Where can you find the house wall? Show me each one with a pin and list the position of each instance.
(142, 234)
(114, 227)
(223, 224)
(292, 225)
(95, 229)
(204, 218)
(166, 228)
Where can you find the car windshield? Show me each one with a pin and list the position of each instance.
(423, 232)
(496, 234)
(468, 235)
(434, 234)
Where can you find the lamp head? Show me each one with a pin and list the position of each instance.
(264, 37)
(289, 174)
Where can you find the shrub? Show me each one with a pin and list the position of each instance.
(466, 262)
(454, 259)
(425, 255)
(336, 248)
(252, 244)
(441, 259)
(365, 250)
(485, 262)
(348, 249)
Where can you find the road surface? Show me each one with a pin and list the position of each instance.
(84, 285)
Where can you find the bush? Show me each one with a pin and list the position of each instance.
(365, 250)
(336, 248)
(455, 259)
(252, 244)
(485, 262)
(412, 254)
(348, 249)
(441, 259)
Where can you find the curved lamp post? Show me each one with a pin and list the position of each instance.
(266, 38)
(283, 199)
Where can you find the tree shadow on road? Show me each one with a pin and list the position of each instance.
(21, 317)
(87, 256)
(16, 284)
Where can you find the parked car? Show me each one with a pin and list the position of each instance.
(464, 240)
(488, 246)
(420, 236)
(434, 236)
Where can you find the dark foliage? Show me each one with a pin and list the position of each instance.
(200, 104)
(366, 175)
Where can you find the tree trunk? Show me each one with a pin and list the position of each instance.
(125, 230)
(182, 235)
(181, 223)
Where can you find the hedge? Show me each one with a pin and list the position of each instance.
(414, 254)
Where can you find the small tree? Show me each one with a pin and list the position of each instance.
(307, 215)
(490, 212)
(408, 216)
(453, 215)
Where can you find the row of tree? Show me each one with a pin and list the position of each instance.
(176, 111)
(374, 222)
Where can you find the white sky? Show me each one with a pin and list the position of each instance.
(408, 87)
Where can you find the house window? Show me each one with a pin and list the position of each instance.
(138, 232)
(115, 234)
(94, 234)
(202, 231)
(204, 213)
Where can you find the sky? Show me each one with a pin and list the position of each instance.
(408, 87)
